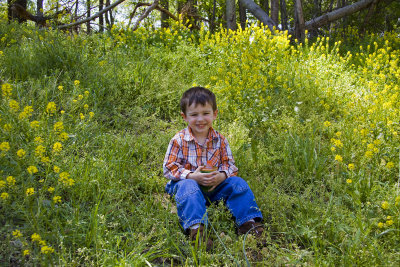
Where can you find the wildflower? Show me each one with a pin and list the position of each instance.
(333, 149)
(42, 242)
(35, 237)
(10, 180)
(17, 233)
(41, 181)
(46, 250)
(7, 127)
(91, 114)
(34, 124)
(77, 82)
(6, 89)
(86, 106)
(62, 112)
(338, 134)
(80, 97)
(28, 110)
(63, 136)
(32, 169)
(21, 153)
(385, 205)
(30, 191)
(397, 200)
(39, 150)
(327, 124)
(338, 158)
(57, 147)
(51, 108)
(60, 87)
(381, 225)
(26, 252)
(58, 126)
(369, 154)
(389, 222)
(390, 165)
(82, 116)
(22, 115)
(57, 199)
(45, 159)
(38, 140)
(2, 183)
(338, 143)
(51, 190)
(4, 195)
(86, 93)
(349, 181)
(56, 169)
(4, 146)
(14, 106)
(351, 166)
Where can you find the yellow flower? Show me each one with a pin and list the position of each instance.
(338, 158)
(57, 147)
(2, 183)
(4, 195)
(369, 154)
(45, 159)
(17, 233)
(381, 225)
(57, 199)
(26, 252)
(6, 89)
(333, 149)
(34, 124)
(86, 106)
(39, 150)
(38, 140)
(62, 112)
(51, 108)
(63, 136)
(77, 82)
(10, 180)
(389, 222)
(7, 127)
(91, 114)
(22, 115)
(349, 181)
(14, 106)
(32, 169)
(80, 97)
(35, 237)
(390, 165)
(28, 110)
(86, 93)
(46, 250)
(5, 146)
(58, 126)
(351, 166)
(21, 153)
(338, 134)
(56, 169)
(30, 191)
(385, 205)
(51, 189)
(82, 116)
(60, 87)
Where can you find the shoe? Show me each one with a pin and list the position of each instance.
(251, 227)
(202, 237)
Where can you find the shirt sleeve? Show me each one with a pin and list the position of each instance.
(173, 162)
(227, 161)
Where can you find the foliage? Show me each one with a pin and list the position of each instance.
(313, 128)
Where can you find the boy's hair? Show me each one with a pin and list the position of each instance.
(198, 95)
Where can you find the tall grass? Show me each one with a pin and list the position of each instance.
(313, 129)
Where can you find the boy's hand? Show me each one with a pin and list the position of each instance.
(212, 179)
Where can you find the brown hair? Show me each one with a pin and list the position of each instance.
(198, 95)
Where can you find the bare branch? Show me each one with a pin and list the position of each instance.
(145, 14)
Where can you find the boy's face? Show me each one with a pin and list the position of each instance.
(200, 118)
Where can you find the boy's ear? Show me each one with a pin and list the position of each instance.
(215, 113)
(183, 115)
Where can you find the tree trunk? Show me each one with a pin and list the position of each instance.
(260, 14)
(265, 5)
(39, 7)
(107, 14)
(164, 16)
(299, 21)
(242, 16)
(284, 16)
(212, 22)
(101, 17)
(230, 15)
(12, 15)
(337, 14)
(275, 11)
(88, 28)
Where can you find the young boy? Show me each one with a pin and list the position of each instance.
(193, 149)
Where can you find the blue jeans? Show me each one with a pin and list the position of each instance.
(191, 200)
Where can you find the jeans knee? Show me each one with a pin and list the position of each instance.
(238, 184)
(186, 187)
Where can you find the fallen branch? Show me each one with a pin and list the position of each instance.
(145, 14)
(158, 7)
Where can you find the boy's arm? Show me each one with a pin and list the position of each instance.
(172, 166)
(227, 161)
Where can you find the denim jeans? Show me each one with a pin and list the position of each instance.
(192, 200)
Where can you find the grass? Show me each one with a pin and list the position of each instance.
(313, 129)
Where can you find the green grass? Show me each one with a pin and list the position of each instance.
(275, 100)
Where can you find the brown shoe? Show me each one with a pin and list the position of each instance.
(201, 237)
(254, 228)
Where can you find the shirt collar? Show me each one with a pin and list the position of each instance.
(212, 134)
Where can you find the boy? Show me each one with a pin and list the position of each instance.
(188, 154)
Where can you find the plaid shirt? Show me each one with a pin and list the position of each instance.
(184, 155)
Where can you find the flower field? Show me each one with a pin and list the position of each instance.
(85, 122)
